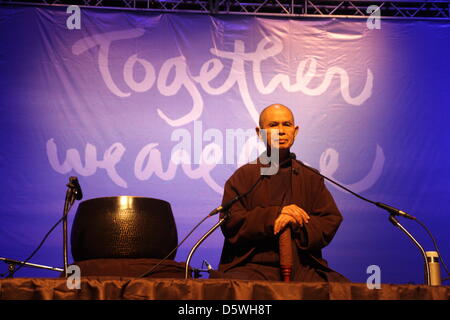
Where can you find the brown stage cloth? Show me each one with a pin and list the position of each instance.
(250, 246)
(113, 288)
(131, 268)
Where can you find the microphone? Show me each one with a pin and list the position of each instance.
(384, 206)
(435, 271)
(394, 210)
(224, 207)
(73, 183)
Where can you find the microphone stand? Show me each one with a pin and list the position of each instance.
(13, 263)
(393, 212)
(199, 242)
(70, 199)
(73, 193)
(427, 267)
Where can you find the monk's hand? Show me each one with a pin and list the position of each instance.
(298, 214)
(281, 222)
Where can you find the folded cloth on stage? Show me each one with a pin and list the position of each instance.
(131, 268)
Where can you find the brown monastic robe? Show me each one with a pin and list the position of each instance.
(250, 244)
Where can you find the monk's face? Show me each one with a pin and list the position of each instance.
(278, 122)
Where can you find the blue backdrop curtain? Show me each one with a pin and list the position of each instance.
(165, 106)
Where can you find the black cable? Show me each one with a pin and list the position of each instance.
(125, 286)
(336, 183)
(42, 242)
(173, 250)
(3, 275)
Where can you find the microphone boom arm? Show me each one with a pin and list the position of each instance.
(393, 212)
(199, 242)
(427, 267)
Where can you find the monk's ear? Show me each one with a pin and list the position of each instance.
(296, 131)
(258, 131)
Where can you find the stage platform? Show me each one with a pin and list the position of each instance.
(122, 288)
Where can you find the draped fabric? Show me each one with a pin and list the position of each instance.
(109, 288)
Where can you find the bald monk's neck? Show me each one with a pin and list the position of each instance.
(283, 155)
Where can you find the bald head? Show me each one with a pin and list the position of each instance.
(268, 112)
(277, 122)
